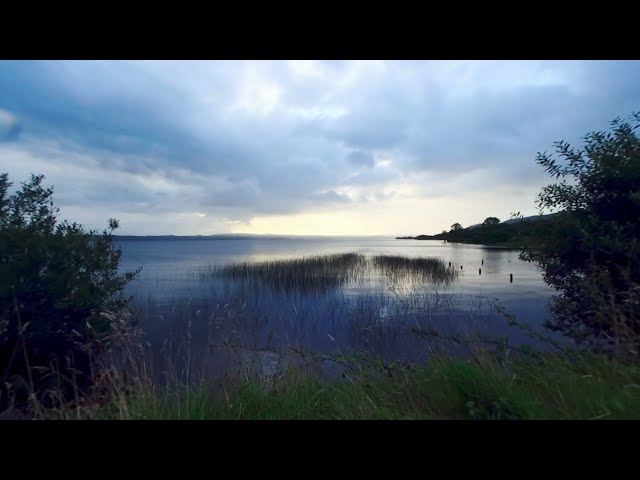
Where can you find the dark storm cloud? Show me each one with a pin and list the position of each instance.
(275, 137)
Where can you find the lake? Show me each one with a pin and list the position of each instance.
(177, 302)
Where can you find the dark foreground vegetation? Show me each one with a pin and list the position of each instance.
(488, 388)
(69, 348)
(60, 297)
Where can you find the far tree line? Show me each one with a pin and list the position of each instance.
(487, 221)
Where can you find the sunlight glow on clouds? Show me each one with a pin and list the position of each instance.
(299, 147)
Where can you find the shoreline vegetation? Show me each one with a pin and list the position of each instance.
(517, 233)
(489, 387)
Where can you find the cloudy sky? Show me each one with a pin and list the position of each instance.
(299, 147)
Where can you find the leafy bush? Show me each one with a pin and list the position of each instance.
(591, 255)
(60, 293)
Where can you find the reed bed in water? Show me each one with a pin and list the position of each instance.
(303, 274)
(426, 269)
(326, 272)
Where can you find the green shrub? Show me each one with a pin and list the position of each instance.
(60, 294)
(591, 255)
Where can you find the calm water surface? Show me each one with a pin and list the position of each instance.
(373, 315)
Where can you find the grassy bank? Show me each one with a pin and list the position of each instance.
(549, 387)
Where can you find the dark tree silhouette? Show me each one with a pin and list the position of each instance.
(60, 292)
(592, 254)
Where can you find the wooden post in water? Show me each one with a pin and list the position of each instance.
(479, 271)
(449, 264)
(511, 278)
(483, 261)
(460, 267)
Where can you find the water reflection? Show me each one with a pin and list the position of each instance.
(184, 299)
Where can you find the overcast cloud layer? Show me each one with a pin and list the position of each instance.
(300, 147)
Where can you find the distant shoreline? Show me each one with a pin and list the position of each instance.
(517, 233)
(190, 237)
(242, 237)
(508, 247)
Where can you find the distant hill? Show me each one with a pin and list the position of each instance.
(517, 232)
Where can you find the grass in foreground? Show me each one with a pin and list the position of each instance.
(549, 388)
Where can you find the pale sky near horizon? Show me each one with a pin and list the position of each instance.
(299, 147)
